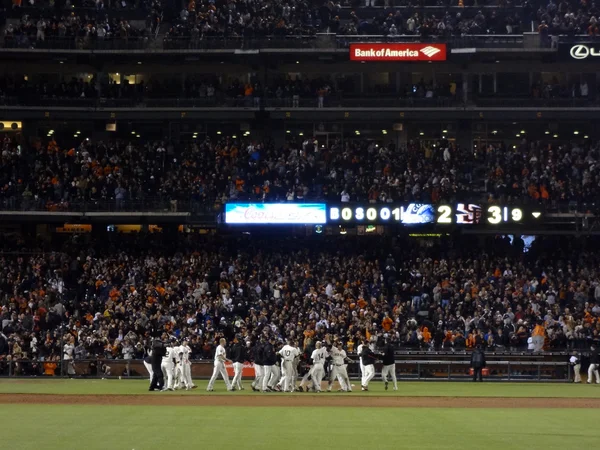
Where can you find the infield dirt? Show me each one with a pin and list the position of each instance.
(306, 400)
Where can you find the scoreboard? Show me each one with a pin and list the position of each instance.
(407, 214)
(422, 214)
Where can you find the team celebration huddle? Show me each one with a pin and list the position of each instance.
(277, 365)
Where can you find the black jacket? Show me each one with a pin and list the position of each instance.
(270, 358)
(478, 359)
(367, 356)
(258, 354)
(388, 355)
(158, 351)
(594, 358)
(238, 353)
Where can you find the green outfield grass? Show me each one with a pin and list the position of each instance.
(407, 389)
(181, 428)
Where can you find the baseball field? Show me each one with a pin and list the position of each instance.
(122, 414)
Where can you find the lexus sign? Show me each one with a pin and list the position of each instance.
(582, 51)
(397, 52)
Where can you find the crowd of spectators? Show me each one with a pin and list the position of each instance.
(44, 175)
(200, 20)
(543, 173)
(211, 91)
(66, 28)
(206, 173)
(109, 298)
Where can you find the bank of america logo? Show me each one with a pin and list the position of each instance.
(430, 51)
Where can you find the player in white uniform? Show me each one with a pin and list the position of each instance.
(220, 360)
(360, 364)
(319, 355)
(289, 353)
(177, 372)
(147, 363)
(168, 367)
(187, 364)
(338, 368)
(183, 372)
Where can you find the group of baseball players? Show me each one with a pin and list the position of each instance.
(169, 365)
(277, 365)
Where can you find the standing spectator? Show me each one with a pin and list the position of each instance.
(478, 363)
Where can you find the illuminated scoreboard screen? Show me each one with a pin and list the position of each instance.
(422, 214)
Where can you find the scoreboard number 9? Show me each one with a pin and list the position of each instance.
(497, 215)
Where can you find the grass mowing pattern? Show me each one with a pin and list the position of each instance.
(407, 389)
(26, 427)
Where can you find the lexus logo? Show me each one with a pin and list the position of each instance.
(583, 51)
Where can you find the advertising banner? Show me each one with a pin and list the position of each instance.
(247, 370)
(397, 52)
(276, 213)
(585, 52)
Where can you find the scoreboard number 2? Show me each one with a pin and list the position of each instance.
(445, 214)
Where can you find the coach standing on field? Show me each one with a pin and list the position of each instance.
(478, 363)
(158, 351)
(238, 356)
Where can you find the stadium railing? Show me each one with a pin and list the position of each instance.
(525, 367)
(150, 204)
(317, 41)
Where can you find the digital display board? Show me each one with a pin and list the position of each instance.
(276, 213)
(461, 214)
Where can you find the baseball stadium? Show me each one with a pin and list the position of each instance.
(292, 223)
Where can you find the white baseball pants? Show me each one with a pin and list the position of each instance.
(577, 373)
(318, 372)
(148, 367)
(288, 374)
(237, 375)
(341, 374)
(368, 374)
(275, 376)
(218, 369)
(389, 371)
(167, 370)
(267, 372)
(187, 374)
(593, 370)
(259, 373)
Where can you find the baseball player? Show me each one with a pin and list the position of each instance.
(594, 365)
(148, 362)
(289, 353)
(182, 366)
(270, 361)
(359, 350)
(368, 359)
(177, 372)
(238, 356)
(338, 368)
(319, 355)
(575, 362)
(258, 357)
(295, 365)
(220, 360)
(168, 367)
(186, 364)
(389, 365)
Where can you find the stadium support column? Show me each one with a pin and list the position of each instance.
(465, 87)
